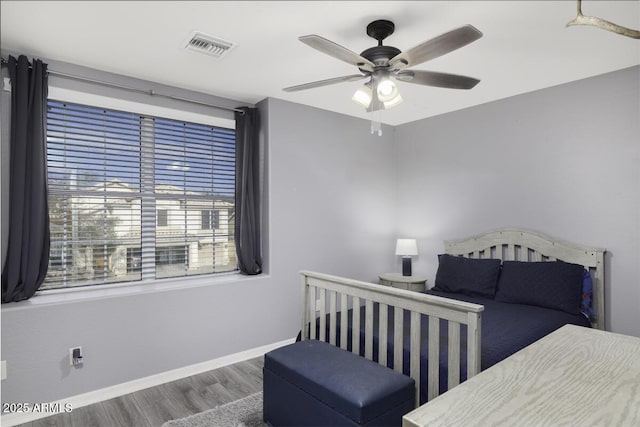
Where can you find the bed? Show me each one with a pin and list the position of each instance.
(440, 338)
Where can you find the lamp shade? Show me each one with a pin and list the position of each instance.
(363, 96)
(406, 247)
(387, 90)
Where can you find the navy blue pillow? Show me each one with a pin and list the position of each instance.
(553, 284)
(467, 276)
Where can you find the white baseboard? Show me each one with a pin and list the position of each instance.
(107, 393)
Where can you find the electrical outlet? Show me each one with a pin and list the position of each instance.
(3, 368)
(76, 356)
(7, 84)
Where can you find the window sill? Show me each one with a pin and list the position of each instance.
(63, 296)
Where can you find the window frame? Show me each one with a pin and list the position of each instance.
(149, 110)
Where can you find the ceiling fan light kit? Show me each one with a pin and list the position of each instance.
(363, 95)
(381, 65)
(387, 89)
(386, 94)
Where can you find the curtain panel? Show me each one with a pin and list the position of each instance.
(247, 222)
(27, 256)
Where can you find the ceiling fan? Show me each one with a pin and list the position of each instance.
(383, 64)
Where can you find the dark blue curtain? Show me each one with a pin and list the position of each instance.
(247, 223)
(27, 255)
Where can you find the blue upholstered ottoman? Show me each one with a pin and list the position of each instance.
(312, 383)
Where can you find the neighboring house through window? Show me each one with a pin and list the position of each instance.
(135, 197)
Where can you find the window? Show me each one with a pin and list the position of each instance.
(127, 196)
(209, 219)
(163, 218)
(172, 255)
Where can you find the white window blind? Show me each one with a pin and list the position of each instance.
(126, 196)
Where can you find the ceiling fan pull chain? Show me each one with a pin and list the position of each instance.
(376, 125)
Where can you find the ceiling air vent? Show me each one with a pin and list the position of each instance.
(209, 45)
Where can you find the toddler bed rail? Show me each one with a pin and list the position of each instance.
(324, 296)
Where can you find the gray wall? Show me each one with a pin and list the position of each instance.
(325, 178)
(564, 161)
(336, 184)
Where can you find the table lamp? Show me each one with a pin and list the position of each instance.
(406, 248)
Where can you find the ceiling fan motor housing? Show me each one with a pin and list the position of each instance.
(380, 55)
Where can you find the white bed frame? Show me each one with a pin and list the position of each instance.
(327, 295)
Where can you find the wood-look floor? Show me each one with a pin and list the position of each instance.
(154, 406)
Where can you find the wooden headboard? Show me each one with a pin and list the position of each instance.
(515, 244)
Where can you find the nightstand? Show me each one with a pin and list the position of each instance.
(410, 283)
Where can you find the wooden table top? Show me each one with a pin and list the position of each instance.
(574, 376)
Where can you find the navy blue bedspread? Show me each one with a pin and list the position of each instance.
(506, 329)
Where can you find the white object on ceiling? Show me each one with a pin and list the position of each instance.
(525, 46)
(209, 45)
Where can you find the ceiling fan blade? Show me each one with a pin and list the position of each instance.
(339, 52)
(437, 46)
(432, 78)
(319, 83)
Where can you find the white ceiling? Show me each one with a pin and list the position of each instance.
(525, 46)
